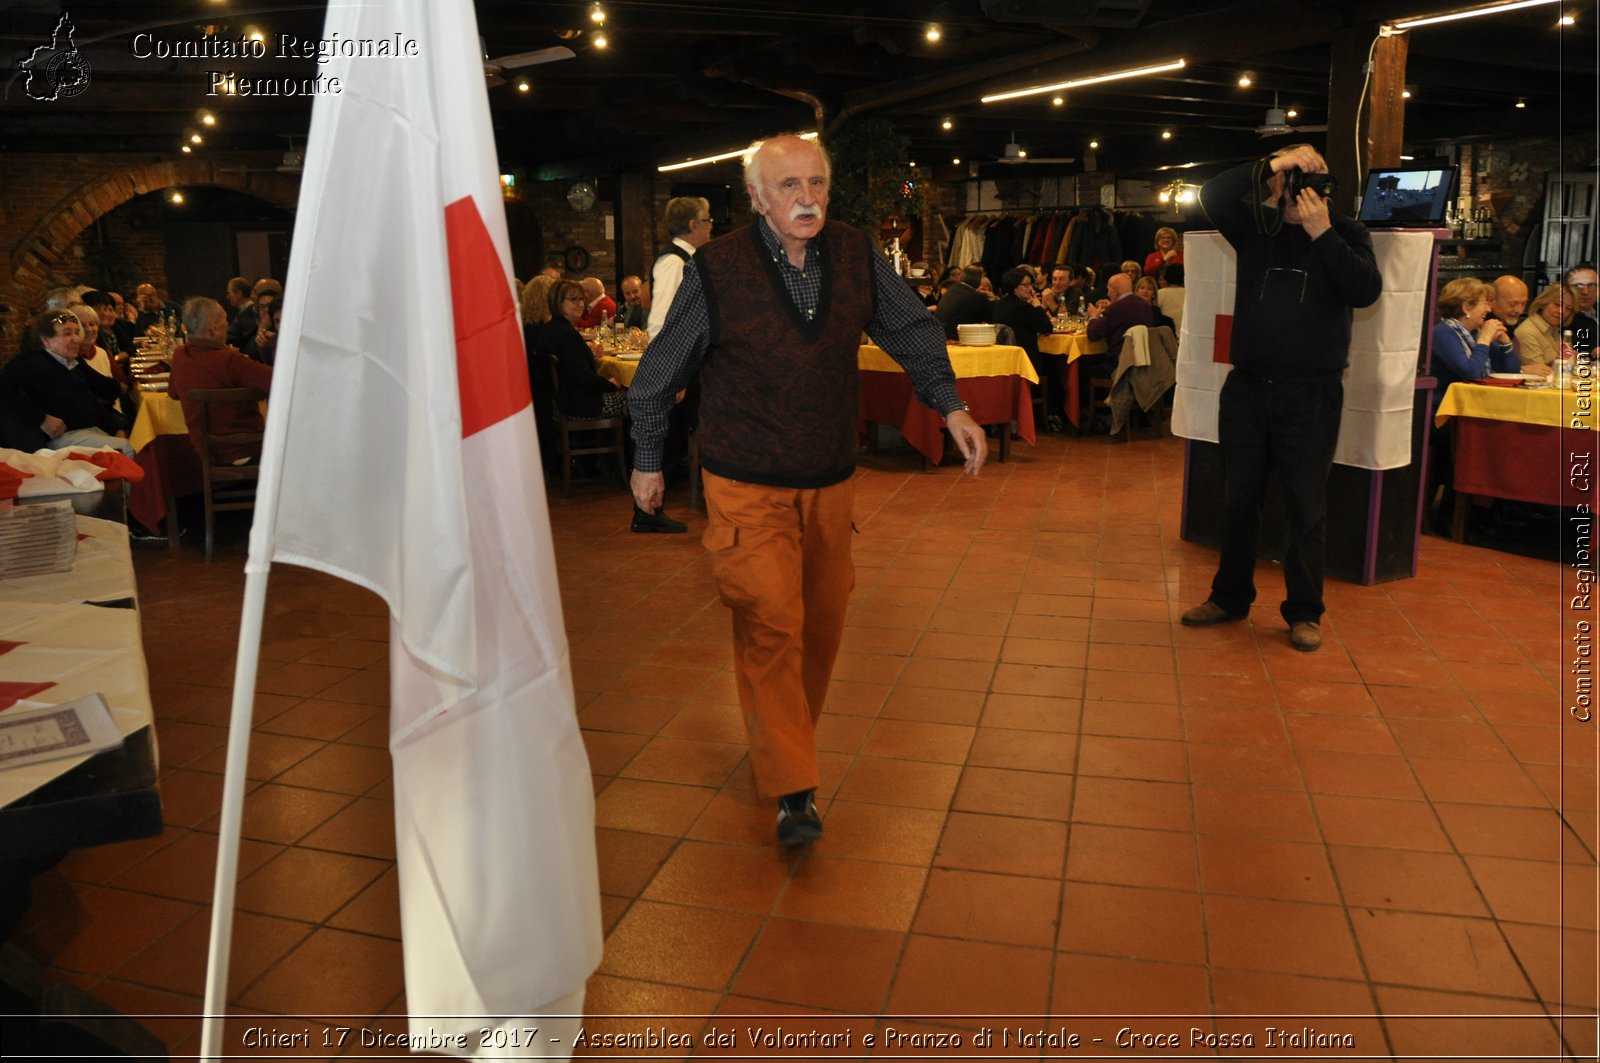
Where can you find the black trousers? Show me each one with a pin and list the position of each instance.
(1286, 429)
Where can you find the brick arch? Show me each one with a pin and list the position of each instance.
(43, 249)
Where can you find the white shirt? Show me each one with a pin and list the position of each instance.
(664, 281)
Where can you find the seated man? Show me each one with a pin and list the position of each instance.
(49, 400)
(599, 305)
(1111, 320)
(963, 304)
(206, 361)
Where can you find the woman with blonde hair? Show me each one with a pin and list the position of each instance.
(1167, 252)
(1539, 335)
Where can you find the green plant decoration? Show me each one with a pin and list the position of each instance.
(872, 175)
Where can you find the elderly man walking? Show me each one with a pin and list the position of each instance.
(771, 316)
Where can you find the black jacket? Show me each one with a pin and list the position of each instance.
(962, 304)
(34, 384)
(1294, 296)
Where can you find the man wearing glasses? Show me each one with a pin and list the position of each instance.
(1300, 272)
(1585, 285)
(689, 225)
(50, 401)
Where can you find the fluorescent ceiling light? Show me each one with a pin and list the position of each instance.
(717, 158)
(1080, 82)
(1494, 9)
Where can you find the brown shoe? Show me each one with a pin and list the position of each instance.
(1305, 636)
(1209, 612)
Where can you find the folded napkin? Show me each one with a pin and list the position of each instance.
(74, 470)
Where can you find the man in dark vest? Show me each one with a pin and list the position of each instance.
(689, 224)
(771, 317)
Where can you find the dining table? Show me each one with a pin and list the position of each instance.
(1070, 346)
(65, 636)
(618, 368)
(161, 445)
(992, 380)
(1527, 444)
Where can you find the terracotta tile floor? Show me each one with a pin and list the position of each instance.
(1044, 797)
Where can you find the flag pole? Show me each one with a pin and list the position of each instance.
(222, 895)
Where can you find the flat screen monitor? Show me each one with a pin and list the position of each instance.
(1411, 199)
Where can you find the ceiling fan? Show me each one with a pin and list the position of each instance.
(292, 162)
(494, 69)
(1277, 123)
(1015, 155)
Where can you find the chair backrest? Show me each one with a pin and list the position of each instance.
(1005, 336)
(204, 398)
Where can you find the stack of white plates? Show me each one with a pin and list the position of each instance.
(975, 335)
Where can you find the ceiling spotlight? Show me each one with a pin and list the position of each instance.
(601, 41)
(196, 138)
(1186, 195)
(524, 86)
(186, 149)
(1094, 145)
(175, 196)
(1522, 104)
(1164, 196)
(1566, 20)
(947, 124)
(1021, 154)
(1166, 134)
(253, 34)
(1291, 113)
(955, 162)
(1057, 101)
(933, 32)
(206, 118)
(597, 14)
(1246, 79)
(912, 163)
(1405, 94)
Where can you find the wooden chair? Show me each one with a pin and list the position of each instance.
(568, 427)
(225, 486)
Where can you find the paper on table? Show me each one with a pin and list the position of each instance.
(75, 729)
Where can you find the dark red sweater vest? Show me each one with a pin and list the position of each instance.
(780, 395)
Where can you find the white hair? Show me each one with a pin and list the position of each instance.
(753, 160)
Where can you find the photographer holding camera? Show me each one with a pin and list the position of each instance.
(1301, 271)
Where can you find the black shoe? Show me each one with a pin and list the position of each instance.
(140, 534)
(655, 522)
(798, 821)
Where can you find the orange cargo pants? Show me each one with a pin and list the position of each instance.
(781, 557)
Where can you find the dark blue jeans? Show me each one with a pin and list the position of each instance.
(1286, 429)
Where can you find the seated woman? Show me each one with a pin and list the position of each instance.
(580, 390)
(1147, 289)
(1465, 345)
(1020, 308)
(1539, 335)
(535, 306)
(1167, 252)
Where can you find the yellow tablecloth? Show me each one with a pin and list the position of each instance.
(159, 415)
(966, 361)
(617, 369)
(1546, 406)
(1072, 344)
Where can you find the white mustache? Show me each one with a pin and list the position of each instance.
(799, 211)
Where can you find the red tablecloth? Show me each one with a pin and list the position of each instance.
(171, 468)
(887, 398)
(1525, 462)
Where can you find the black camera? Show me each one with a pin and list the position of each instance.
(1323, 184)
